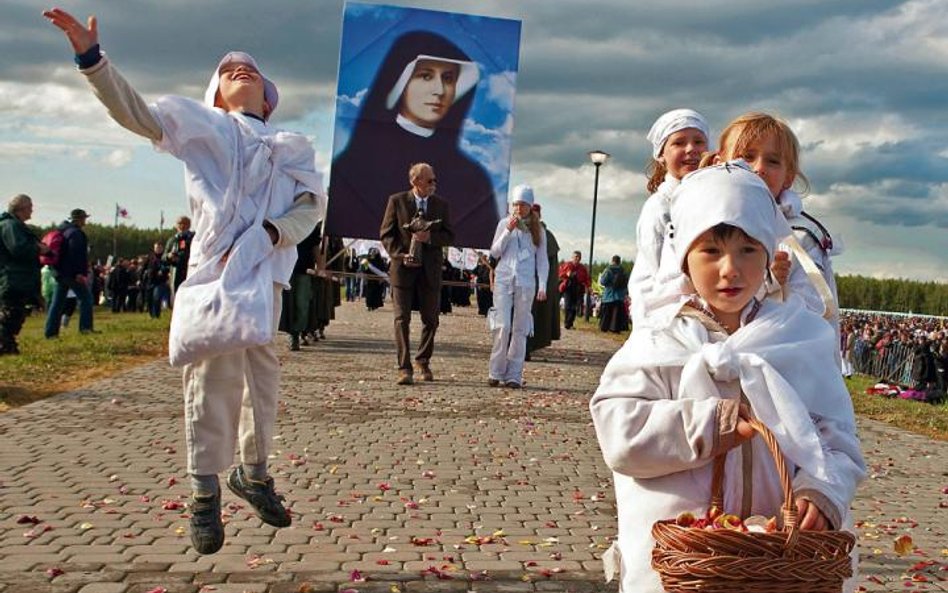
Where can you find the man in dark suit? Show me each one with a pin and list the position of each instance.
(423, 280)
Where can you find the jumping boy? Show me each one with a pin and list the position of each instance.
(235, 164)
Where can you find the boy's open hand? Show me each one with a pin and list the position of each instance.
(82, 38)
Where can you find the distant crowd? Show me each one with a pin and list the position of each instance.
(911, 351)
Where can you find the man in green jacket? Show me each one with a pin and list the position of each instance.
(19, 270)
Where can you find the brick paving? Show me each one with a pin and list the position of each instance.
(444, 487)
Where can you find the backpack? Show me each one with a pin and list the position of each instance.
(54, 239)
(619, 280)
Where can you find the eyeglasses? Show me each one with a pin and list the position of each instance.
(432, 181)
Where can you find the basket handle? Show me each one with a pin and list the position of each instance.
(789, 509)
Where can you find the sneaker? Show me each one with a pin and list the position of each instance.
(493, 382)
(512, 385)
(261, 496)
(207, 528)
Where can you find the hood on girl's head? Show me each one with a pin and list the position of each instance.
(239, 57)
(674, 121)
(731, 194)
(522, 193)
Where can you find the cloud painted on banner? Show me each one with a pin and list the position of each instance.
(501, 89)
(355, 100)
(490, 147)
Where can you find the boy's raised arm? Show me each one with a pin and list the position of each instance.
(82, 38)
(125, 105)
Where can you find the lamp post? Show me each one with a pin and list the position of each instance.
(598, 159)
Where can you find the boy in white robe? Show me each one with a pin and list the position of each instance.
(235, 165)
(677, 395)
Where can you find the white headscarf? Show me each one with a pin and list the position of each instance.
(468, 75)
(269, 89)
(671, 122)
(731, 194)
(522, 193)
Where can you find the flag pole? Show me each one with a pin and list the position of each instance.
(115, 235)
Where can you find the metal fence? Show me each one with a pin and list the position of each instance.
(893, 364)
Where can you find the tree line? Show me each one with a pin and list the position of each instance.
(872, 294)
(895, 295)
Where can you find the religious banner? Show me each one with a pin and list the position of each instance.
(423, 86)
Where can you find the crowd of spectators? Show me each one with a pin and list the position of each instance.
(908, 350)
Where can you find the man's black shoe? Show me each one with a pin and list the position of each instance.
(261, 497)
(207, 529)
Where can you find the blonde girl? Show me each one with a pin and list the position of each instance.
(772, 150)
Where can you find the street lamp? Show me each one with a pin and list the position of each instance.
(598, 159)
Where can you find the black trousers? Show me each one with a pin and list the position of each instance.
(12, 315)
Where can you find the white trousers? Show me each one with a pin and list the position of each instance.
(513, 304)
(231, 399)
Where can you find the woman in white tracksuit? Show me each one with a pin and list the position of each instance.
(520, 248)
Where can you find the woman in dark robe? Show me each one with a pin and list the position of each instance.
(294, 316)
(447, 274)
(485, 298)
(414, 112)
(372, 266)
(546, 314)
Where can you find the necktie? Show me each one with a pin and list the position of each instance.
(422, 206)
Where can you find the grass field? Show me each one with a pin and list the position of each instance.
(46, 366)
(128, 339)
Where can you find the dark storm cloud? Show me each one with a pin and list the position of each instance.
(596, 74)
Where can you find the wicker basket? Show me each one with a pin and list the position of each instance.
(726, 561)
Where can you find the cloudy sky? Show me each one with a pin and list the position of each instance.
(863, 82)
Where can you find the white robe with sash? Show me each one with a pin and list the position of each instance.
(656, 418)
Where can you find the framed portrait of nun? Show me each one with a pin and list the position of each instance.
(423, 86)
